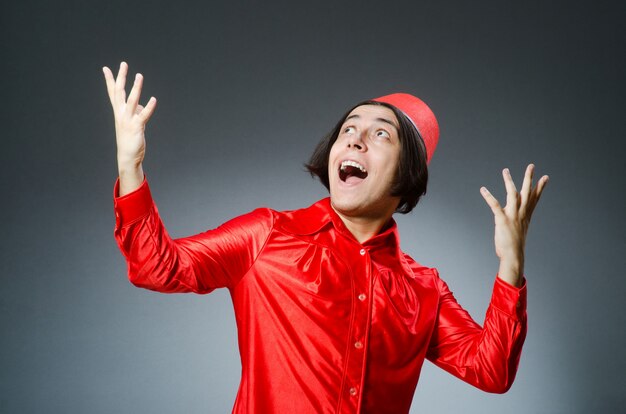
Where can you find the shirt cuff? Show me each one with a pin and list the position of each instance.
(510, 299)
(132, 206)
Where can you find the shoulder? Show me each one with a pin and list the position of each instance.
(256, 223)
(418, 270)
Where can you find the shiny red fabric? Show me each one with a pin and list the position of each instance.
(325, 324)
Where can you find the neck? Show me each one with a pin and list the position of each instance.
(363, 228)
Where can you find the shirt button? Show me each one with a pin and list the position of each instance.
(358, 344)
(352, 391)
(362, 297)
(362, 252)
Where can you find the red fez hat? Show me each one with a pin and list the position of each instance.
(420, 115)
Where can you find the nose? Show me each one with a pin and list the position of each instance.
(356, 141)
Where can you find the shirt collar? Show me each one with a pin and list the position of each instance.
(313, 219)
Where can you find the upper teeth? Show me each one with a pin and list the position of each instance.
(355, 164)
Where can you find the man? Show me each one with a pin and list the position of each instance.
(332, 316)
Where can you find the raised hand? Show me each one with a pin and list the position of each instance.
(512, 221)
(130, 123)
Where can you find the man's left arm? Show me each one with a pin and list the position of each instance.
(487, 357)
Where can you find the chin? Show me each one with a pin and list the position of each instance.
(345, 203)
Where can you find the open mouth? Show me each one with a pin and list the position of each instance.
(352, 172)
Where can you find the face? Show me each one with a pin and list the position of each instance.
(363, 162)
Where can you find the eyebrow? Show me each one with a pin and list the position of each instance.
(385, 120)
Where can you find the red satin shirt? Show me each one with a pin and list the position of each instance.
(325, 324)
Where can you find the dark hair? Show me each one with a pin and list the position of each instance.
(412, 174)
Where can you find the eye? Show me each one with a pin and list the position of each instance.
(381, 133)
(349, 130)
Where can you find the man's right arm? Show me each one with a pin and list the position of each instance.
(199, 263)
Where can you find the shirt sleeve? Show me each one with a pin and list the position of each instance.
(199, 263)
(486, 357)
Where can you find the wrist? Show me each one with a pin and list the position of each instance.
(130, 179)
(511, 255)
(128, 163)
(511, 270)
(516, 260)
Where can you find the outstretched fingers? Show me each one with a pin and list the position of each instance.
(148, 110)
(536, 194)
(512, 196)
(135, 93)
(110, 82)
(117, 94)
(492, 202)
(540, 185)
(120, 84)
(527, 186)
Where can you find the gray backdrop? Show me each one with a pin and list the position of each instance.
(245, 91)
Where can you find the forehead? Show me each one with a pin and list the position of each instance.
(374, 113)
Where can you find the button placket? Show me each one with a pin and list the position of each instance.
(356, 363)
